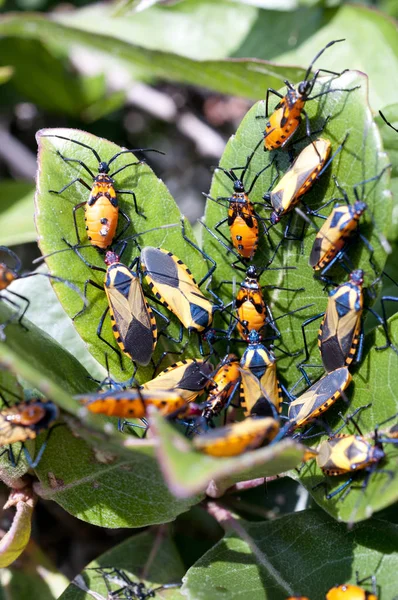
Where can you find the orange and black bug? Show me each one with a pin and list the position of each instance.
(242, 219)
(102, 208)
(8, 275)
(127, 589)
(348, 591)
(132, 403)
(234, 439)
(261, 392)
(187, 378)
(318, 398)
(222, 386)
(24, 421)
(286, 118)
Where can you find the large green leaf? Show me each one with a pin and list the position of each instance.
(375, 383)
(292, 37)
(362, 157)
(54, 221)
(304, 553)
(248, 78)
(150, 558)
(16, 212)
(188, 471)
(102, 488)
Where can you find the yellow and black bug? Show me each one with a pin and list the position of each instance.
(133, 322)
(331, 239)
(187, 378)
(334, 234)
(221, 386)
(102, 208)
(318, 398)
(261, 392)
(286, 118)
(132, 403)
(343, 454)
(8, 275)
(242, 219)
(298, 179)
(24, 421)
(174, 286)
(340, 335)
(237, 438)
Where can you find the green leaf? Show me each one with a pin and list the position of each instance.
(54, 221)
(241, 77)
(375, 383)
(150, 558)
(390, 137)
(151, 28)
(16, 213)
(361, 158)
(102, 488)
(305, 553)
(188, 471)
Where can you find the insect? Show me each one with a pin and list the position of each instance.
(174, 286)
(331, 239)
(341, 337)
(319, 397)
(9, 274)
(260, 388)
(309, 166)
(286, 118)
(242, 219)
(348, 591)
(132, 403)
(237, 438)
(128, 589)
(187, 378)
(222, 386)
(133, 322)
(101, 210)
(24, 421)
(387, 122)
(343, 454)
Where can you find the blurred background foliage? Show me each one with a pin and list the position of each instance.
(178, 76)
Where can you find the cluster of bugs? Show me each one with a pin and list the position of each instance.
(138, 294)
